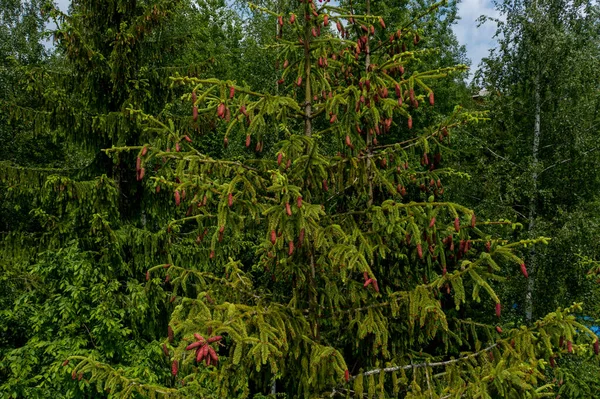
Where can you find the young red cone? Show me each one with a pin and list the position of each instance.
(498, 309)
(349, 142)
(213, 355)
(221, 110)
(216, 338)
(524, 270)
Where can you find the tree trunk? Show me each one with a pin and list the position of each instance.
(533, 202)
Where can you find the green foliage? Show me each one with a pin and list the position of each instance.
(314, 253)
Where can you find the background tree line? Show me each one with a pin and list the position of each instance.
(105, 134)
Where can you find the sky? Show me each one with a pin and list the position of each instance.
(478, 41)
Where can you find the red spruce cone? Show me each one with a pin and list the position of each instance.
(524, 270)
(213, 355)
(375, 285)
(498, 309)
(194, 345)
(347, 375)
(175, 367)
(216, 338)
(349, 142)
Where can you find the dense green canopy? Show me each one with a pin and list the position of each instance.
(231, 199)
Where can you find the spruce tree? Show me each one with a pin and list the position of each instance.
(224, 241)
(332, 264)
(74, 239)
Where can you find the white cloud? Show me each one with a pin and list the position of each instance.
(477, 40)
(63, 5)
